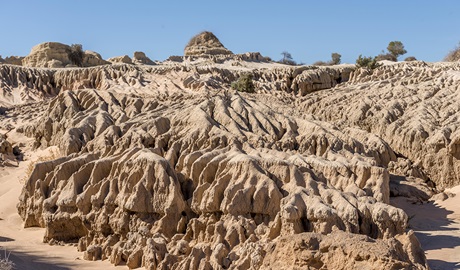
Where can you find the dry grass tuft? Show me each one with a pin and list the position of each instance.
(5, 263)
(453, 55)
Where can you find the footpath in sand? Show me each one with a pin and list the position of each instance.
(437, 226)
(25, 246)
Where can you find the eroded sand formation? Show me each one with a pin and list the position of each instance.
(167, 167)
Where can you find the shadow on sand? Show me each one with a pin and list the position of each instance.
(5, 239)
(434, 242)
(431, 226)
(28, 261)
(442, 265)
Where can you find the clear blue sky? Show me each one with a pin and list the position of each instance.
(309, 30)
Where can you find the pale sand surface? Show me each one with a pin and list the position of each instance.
(25, 246)
(437, 226)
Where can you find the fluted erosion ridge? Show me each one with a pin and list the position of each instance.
(191, 181)
(20, 84)
(166, 167)
(414, 107)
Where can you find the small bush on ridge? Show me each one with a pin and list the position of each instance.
(76, 54)
(386, 56)
(244, 83)
(453, 55)
(367, 62)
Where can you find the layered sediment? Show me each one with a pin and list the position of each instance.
(167, 167)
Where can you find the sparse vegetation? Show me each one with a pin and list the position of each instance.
(386, 56)
(336, 58)
(287, 59)
(453, 55)
(5, 262)
(396, 49)
(320, 63)
(367, 62)
(410, 58)
(244, 83)
(76, 54)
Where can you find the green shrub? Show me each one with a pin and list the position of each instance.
(386, 56)
(244, 83)
(336, 58)
(76, 54)
(320, 63)
(367, 62)
(410, 58)
(396, 48)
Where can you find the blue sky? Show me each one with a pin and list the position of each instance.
(309, 30)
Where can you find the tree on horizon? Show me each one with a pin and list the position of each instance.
(287, 59)
(396, 48)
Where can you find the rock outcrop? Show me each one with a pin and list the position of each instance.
(5, 146)
(56, 55)
(120, 60)
(340, 250)
(42, 54)
(166, 167)
(19, 85)
(139, 58)
(412, 106)
(91, 59)
(231, 179)
(205, 43)
(6, 152)
(12, 60)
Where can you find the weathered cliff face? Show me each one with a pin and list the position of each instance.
(43, 55)
(120, 60)
(19, 85)
(412, 106)
(166, 167)
(191, 181)
(91, 59)
(12, 60)
(139, 58)
(56, 55)
(300, 252)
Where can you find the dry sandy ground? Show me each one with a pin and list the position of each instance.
(437, 226)
(26, 246)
